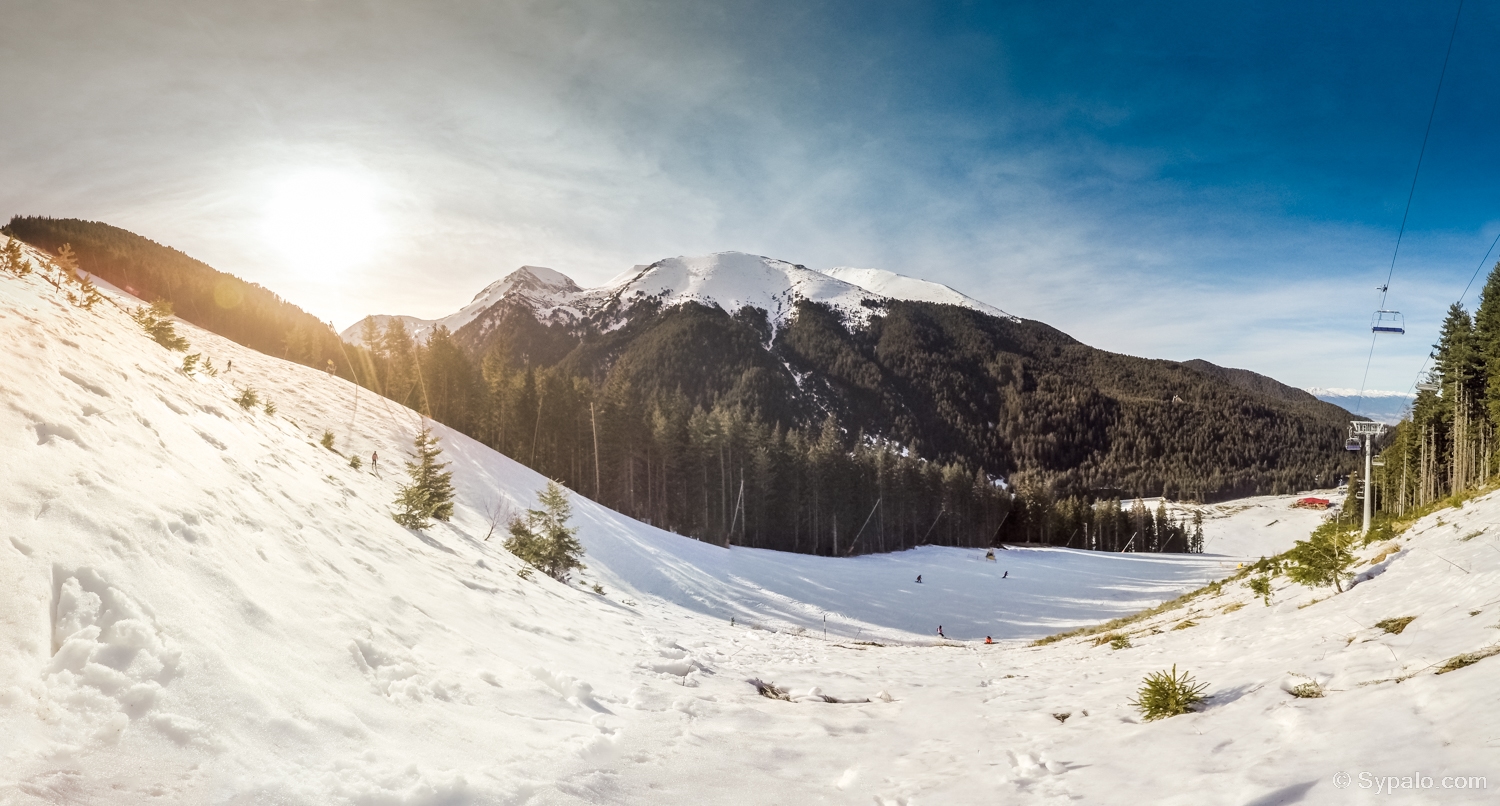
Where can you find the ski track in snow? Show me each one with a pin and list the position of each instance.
(200, 603)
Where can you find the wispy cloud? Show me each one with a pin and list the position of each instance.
(1174, 182)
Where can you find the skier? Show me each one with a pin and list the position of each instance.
(940, 632)
(989, 640)
(1005, 575)
(329, 369)
(919, 579)
(990, 555)
(375, 462)
(230, 366)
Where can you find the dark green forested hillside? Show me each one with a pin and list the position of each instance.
(210, 299)
(976, 396)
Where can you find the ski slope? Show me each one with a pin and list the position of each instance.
(201, 603)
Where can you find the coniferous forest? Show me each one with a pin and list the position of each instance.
(1447, 446)
(813, 438)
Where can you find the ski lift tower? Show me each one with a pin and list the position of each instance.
(1368, 430)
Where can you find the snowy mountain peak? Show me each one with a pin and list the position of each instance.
(729, 280)
(912, 289)
(542, 286)
(734, 280)
(536, 279)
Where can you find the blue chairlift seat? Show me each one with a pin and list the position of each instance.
(1388, 322)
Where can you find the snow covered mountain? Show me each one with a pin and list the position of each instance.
(734, 280)
(898, 286)
(539, 286)
(728, 280)
(1384, 407)
(201, 603)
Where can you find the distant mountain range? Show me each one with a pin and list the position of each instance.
(1385, 407)
(912, 363)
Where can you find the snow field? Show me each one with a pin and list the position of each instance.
(199, 602)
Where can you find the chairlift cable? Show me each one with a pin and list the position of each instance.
(1421, 153)
(1385, 289)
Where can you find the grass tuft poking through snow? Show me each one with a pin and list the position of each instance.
(1394, 626)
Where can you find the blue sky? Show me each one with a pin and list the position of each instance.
(1175, 180)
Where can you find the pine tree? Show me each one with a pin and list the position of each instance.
(157, 322)
(430, 493)
(13, 260)
(543, 538)
(1324, 558)
(1487, 342)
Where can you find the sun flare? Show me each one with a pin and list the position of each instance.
(323, 219)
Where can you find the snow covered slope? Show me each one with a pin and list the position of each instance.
(899, 286)
(542, 286)
(198, 603)
(1255, 527)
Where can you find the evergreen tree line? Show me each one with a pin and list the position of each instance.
(1102, 525)
(1447, 444)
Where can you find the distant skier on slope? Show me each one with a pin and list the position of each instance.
(375, 462)
(940, 632)
(919, 579)
(1005, 575)
(989, 640)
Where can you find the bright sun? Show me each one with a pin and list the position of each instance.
(324, 220)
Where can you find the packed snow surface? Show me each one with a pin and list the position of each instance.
(200, 603)
(899, 286)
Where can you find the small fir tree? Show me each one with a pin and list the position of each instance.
(327, 440)
(1164, 694)
(247, 398)
(156, 320)
(1324, 558)
(430, 493)
(13, 260)
(1261, 586)
(543, 538)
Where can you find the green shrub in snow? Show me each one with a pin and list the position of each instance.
(156, 320)
(1164, 694)
(1324, 558)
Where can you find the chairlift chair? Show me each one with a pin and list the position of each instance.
(1388, 322)
(1427, 386)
